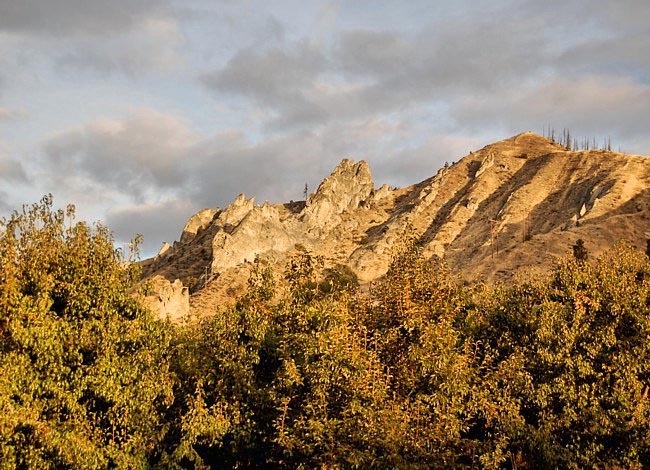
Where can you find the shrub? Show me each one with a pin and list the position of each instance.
(83, 372)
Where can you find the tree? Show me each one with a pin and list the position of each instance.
(580, 253)
(84, 379)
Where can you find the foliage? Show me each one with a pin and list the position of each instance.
(307, 371)
(83, 368)
(423, 372)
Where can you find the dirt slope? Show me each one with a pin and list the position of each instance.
(514, 205)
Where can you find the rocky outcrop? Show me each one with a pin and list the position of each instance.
(170, 299)
(487, 163)
(163, 249)
(488, 215)
(236, 211)
(260, 232)
(199, 221)
(381, 193)
(349, 185)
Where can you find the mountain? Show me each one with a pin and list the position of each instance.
(512, 206)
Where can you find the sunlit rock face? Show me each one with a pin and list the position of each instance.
(349, 185)
(509, 207)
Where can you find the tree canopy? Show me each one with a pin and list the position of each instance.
(308, 371)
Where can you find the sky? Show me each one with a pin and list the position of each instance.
(142, 112)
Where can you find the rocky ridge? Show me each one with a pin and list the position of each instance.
(513, 205)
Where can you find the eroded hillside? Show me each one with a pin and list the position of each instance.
(513, 205)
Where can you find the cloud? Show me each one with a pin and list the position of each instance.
(415, 163)
(142, 153)
(626, 54)
(276, 169)
(10, 170)
(70, 17)
(5, 206)
(589, 105)
(374, 53)
(157, 222)
(277, 78)
(366, 72)
(8, 114)
(154, 45)
(406, 92)
(118, 36)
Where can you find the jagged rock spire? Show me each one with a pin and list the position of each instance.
(349, 184)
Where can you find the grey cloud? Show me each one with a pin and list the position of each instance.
(143, 152)
(369, 72)
(64, 17)
(277, 169)
(273, 170)
(605, 15)
(123, 36)
(415, 163)
(8, 114)
(154, 45)
(596, 105)
(10, 170)
(152, 157)
(626, 54)
(157, 222)
(276, 78)
(5, 206)
(374, 53)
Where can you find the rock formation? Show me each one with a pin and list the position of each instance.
(345, 189)
(515, 204)
(169, 300)
(198, 221)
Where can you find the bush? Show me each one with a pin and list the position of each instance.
(418, 372)
(83, 371)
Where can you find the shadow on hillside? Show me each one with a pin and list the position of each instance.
(295, 207)
(639, 203)
(553, 212)
(489, 207)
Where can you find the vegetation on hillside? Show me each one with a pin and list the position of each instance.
(309, 372)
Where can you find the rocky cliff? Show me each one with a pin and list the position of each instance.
(513, 205)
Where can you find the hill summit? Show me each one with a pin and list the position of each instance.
(514, 205)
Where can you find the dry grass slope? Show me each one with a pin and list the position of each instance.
(508, 208)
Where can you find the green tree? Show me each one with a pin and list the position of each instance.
(84, 378)
(582, 379)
